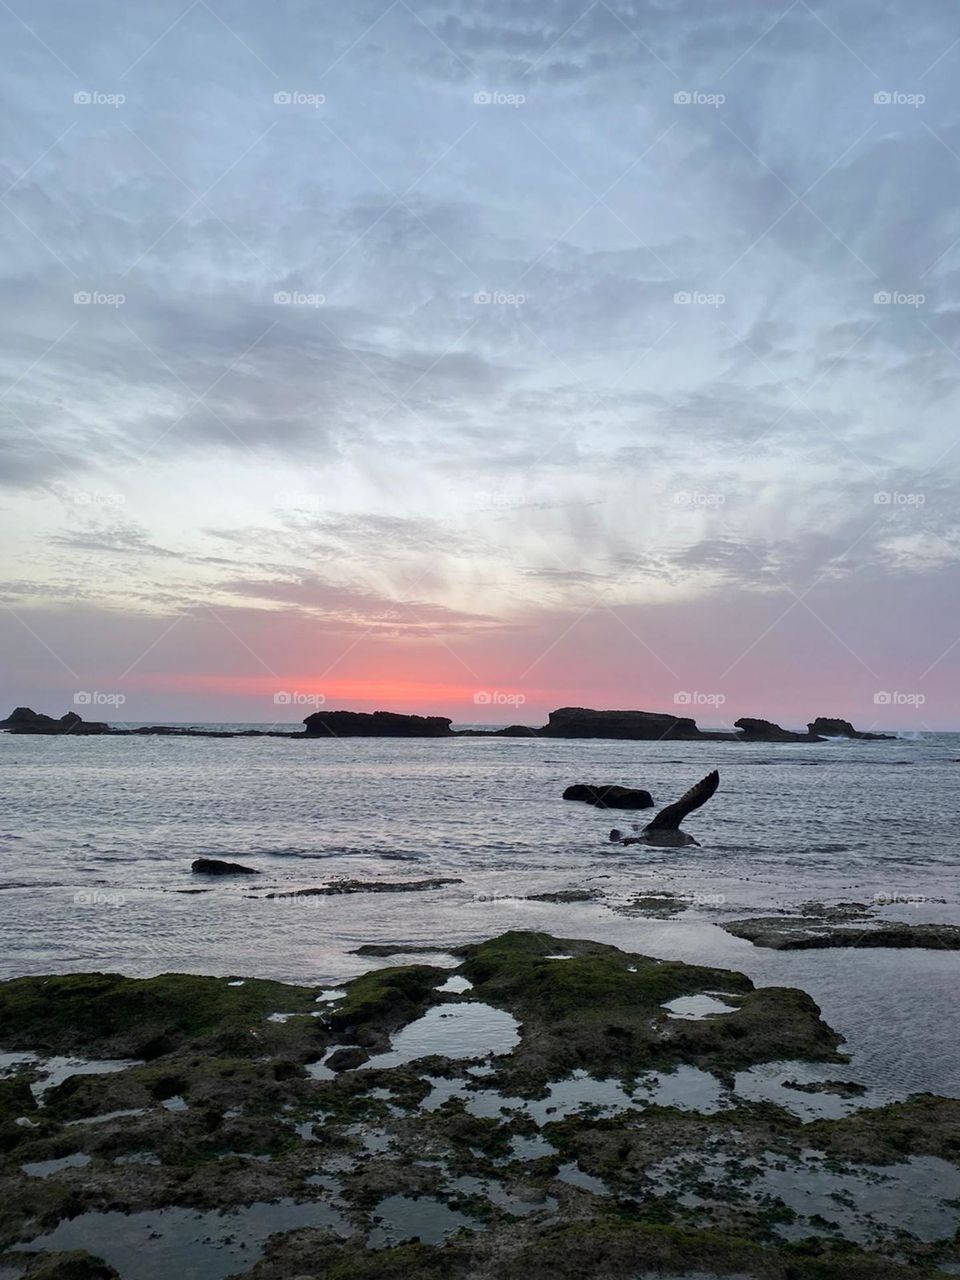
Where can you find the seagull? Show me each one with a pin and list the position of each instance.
(664, 830)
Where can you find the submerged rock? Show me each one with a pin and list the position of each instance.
(369, 886)
(793, 933)
(610, 796)
(566, 895)
(217, 867)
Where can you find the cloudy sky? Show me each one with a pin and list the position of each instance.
(481, 358)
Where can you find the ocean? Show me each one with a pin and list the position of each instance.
(97, 837)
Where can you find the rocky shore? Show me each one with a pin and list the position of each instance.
(527, 1107)
(567, 722)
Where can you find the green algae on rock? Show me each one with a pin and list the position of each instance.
(603, 1008)
(488, 1140)
(108, 1015)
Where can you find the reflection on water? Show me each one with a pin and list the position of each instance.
(415, 1217)
(184, 1243)
(467, 1029)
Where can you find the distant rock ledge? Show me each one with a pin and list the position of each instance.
(566, 722)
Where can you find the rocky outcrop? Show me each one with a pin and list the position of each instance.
(609, 797)
(766, 731)
(827, 727)
(792, 933)
(375, 724)
(636, 726)
(566, 722)
(217, 867)
(25, 720)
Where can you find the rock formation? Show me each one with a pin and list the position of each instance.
(637, 726)
(827, 727)
(609, 797)
(375, 724)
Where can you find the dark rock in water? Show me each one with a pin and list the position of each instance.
(636, 726)
(566, 895)
(21, 717)
(347, 1059)
(217, 867)
(805, 934)
(375, 724)
(841, 1088)
(609, 797)
(367, 886)
(25, 720)
(508, 731)
(766, 731)
(825, 726)
(400, 949)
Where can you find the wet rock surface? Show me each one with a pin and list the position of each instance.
(805, 933)
(609, 796)
(219, 867)
(369, 886)
(541, 1110)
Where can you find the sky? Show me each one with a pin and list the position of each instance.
(479, 359)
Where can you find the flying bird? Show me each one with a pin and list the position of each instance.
(664, 829)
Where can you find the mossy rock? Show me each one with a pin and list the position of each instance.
(623, 1248)
(77, 1264)
(108, 1015)
(597, 981)
(387, 998)
(923, 1125)
(614, 1249)
(602, 1009)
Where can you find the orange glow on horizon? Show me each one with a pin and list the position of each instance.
(386, 693)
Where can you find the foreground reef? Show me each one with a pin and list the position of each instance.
(567, 722)
(528, 1107)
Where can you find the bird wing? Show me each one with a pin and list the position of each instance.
(669, 819)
